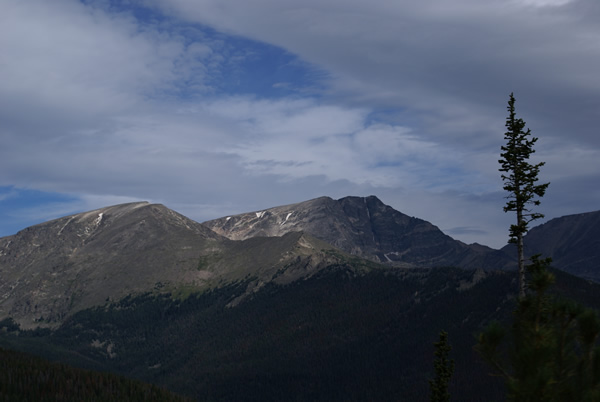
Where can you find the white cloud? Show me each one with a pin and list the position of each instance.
(64, 58)
(543, 3)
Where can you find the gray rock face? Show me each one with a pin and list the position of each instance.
(365, 227)
(50, 270)
(572, 241)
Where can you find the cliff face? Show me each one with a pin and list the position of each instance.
(365, 227)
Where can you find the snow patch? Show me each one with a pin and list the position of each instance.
(99, 218)
(228, 218)
(63, 228)
(287, 217)
(260, 214)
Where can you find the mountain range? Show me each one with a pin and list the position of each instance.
(365, 227)
(324, 299)
(54, 269)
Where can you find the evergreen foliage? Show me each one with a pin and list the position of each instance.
(520, 181)
(552, 346)
(27, 378)
(336, 336)
(443, 370)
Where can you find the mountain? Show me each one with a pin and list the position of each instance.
(52, 270)
(572, 241)
(278, 311)
(365, 227)
(58, 267)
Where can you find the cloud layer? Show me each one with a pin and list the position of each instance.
(215, 108)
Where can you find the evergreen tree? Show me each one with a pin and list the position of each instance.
(443, 370)
(520, 181)
(552, 351)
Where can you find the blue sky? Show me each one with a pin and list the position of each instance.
(214, 108)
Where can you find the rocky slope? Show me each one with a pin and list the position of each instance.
(365, 227)
(52, 270)
(61, 266)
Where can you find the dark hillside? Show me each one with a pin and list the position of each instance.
(28, 378)
(573, 242)
(335, 336)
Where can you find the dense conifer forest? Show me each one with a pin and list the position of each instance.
(27, 378)
(335, 336)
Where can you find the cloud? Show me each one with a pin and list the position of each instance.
(301, 138)
(462, 230)
(71, 63)
(217, 108)
(543, 3)
(453, 62)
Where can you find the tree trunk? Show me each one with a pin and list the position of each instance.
(521, 258)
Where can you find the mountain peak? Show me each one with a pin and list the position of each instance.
(61, 266)
(119, 209)
(363, 226)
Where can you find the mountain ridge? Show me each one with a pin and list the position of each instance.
(572, 241)
(52, 270)
(82, 260)
(141, 290)
(362, 226)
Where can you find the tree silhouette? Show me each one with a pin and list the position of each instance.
(520, 181)
(550, 353)
(443, 370)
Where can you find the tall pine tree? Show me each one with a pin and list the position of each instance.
(443, 368)
(520, 180)
(550, 353)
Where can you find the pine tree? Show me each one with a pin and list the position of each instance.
(443, 370)
(551, 347)
(520, 181)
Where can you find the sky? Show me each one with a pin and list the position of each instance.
(215, 107)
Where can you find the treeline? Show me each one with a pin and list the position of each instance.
(28, 378)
